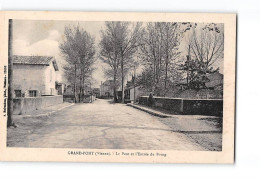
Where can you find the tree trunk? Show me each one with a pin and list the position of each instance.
(83, 86)
(80, 86)
(122, 72)
(166, 78)
(188, 66)
(10, 77)
(115, 98)
(75, 78)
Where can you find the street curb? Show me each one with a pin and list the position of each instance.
(158, 114)
(39, 116)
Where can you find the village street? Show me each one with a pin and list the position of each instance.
(103, 125)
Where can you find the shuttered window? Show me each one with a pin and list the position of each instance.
(32, 93)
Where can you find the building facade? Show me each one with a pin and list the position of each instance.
(106, 89)
(133, 92)
(35, 76)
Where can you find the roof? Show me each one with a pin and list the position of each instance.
(108, 82)
(215, 76)
(182, 82)
(35, 60)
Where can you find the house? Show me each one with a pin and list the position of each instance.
(212, 88)
(96, 91)
(182, 84)
(215, 81)
(212, 81)
(35, 76)
(107, 89)
(133, 92)
(60, 88)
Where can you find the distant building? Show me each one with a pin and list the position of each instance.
(212, 88)
(133, 92)
(96, 91)
(215, 81)
(35, 76)
(106, 89)
(69, 90)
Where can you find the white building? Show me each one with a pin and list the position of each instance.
(35, 76)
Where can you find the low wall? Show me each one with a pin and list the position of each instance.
(211, 107)
(87, 98)
(25, 105)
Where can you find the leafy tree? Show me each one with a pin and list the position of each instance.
(109, 52)
(79, 51)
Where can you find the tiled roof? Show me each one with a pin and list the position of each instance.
(32, 60)
(108, 82)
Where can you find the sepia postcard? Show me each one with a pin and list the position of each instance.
(117, 87)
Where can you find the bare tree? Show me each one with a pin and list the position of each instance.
(151, 52)
(207, 44)
(79, 50)
(125, 36)
(159, 50)
(171, 36)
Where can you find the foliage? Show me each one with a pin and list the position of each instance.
(159, 51)
(118, 45)
(78, 49)
(205, 47)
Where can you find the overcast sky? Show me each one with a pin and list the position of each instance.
(43, 38)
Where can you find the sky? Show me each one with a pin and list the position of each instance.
(43, 38)
(40, 37)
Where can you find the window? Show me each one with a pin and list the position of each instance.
(18, 93)
(32, 93)
(52, 91)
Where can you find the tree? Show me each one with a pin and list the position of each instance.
(207, 44)
(171, 34)
(145, 79)
(79, 51)
(205, 47)
(109, 52)
(151, 53)
(159, 51)
(124, 44)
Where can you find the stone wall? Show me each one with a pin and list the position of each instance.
(211, 107)
(87, 98)
(26, 105)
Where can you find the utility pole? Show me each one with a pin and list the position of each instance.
(90, 93)
(188, 66)
(134, 81)
(134, 66)
(101, 90)
(10, 76)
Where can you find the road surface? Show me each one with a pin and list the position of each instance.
(103, 125)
